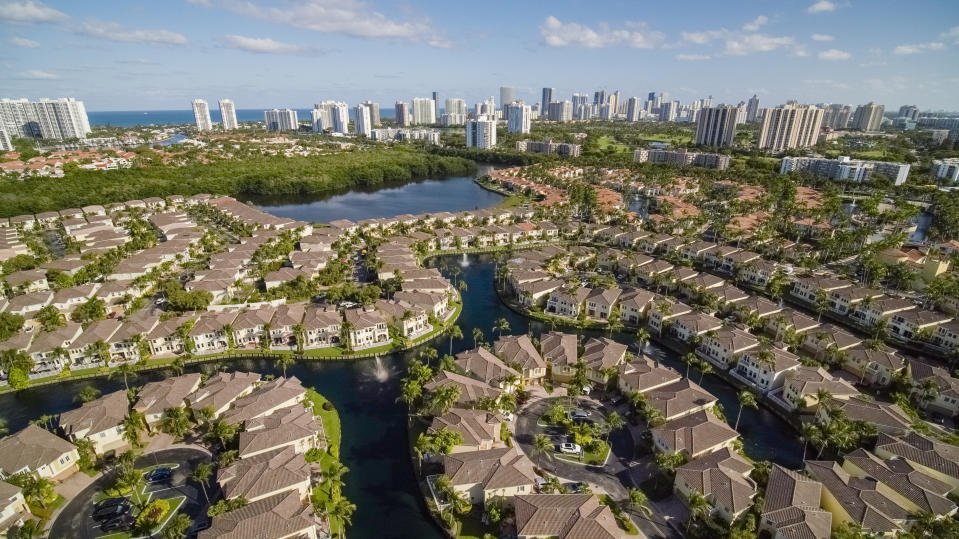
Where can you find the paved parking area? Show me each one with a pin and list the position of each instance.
(75, 519)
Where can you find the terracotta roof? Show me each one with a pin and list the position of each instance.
(493, 468)
(31, 448)
(600, 353)
(722, 477)
(644, 373)
(481, 364)
(565, 516)
(97, 415)
(694, 433)
(474, 426)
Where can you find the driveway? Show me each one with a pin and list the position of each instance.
(614, 477)
(74, 521)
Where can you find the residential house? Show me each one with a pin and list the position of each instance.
(291, 427)
(479, 429)
(634, 304)
(221, 390)
(792, 508)
(765, 369)
(265, 400)
(724, 346)
(932, 457)
(844, 300)
(901, 482)
(697, 250)
(519, 352)
(944, 399)
(209, 333)
(281, 516)
(602, 356)
(827, 340)
(560, 351)
(411, 321)
(810, 289)
(250, 327)
(757, 273)
(470, 389)
(155, 398)
(803, 384)
(874, 366)
(688, 327)
(37, 451)
(856, 500)
(481, 364)
(322, 327)
(694, 435)
(664, 311)
(645, 374)
(886, 417)
(100, 421)
(722, 478)
(265, 475)
(567, 301)
(679, 399)
(789, 322)
(13, 507)
(916, 324)
(601, 301)
(367, 328)
(946, 336)
(564, 516)
(483, 475)
(870, 313)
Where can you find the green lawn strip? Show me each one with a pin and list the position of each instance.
(44, 513)
(597, 458)
(175, 504)
(320, 496)
(472, 527)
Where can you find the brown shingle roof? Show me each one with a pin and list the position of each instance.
(97, 415)
(493, 468)
(31, 448)
(481, 364)
(565, 516)
(265, 473)
(694, 433)
(721, 478)
(282, 515)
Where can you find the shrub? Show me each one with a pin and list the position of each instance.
(314, 455)
(152, 515)
(328, 406)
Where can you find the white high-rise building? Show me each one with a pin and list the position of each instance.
(362, 123)
(280, 120)
(456, 106)
(716, 126)
(560, 111)
(519, 119)
(201, 112)
(741, 113)
(481, 133)
(228, 114)
(668, 110)
(424, 111)
(752, 109)
(321, 116)
(374, 109)
(340, 117)
(790, 126)
(836, 115)
(59, 119)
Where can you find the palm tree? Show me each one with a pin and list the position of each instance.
(299, 333)
(542, 446)
(285, 360)
(221, 431)
(613, 422)
(202, 474)
(689, 359)
(500, 326)
(705, 368)
(642, 338)
(125, 370)
(132, 424)
(454, 332)
(638, 500)
(478, 337)
(747, 399)
(178, 366)
(699, 508)
(444, 398)
(410, 391)
(341, 510)
(178, 527)
(333, 477)
(175, 421)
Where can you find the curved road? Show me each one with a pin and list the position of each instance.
(613, 477)
(74, 520)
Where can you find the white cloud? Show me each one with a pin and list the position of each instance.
(821, 6)
(559, 34)
(834, 54)
(822, 37)
(753, 26)
(24, 42)
(952, 33)
(753, 43)
(29, 12)
(36, 74)
(692, 57)
(116, 32)
(204, 3)
(827, 82)
(918, 47)
(261, 45)
(348, 17)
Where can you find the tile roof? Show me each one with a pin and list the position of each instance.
(493, 468)
(277, 429)
(221, 389)
(481, 364)
(474, 426)
(519, 350)
(470, 390)
(157, 397)
(97, 415)
(930, 453)
(644, 373)
(679, 398)
(927, 493)
(31, 448)
(858, 497)
(264, 473)
(600, 353)
(694, 433)
(564, 516)
(279, 516)
(559, 348)
(264, 399)
(722, 477)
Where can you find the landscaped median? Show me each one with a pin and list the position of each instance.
(327, 497)
(328, 353)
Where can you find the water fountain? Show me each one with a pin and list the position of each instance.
(382, 373)
(465, 262)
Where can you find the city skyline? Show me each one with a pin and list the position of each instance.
(139, 56)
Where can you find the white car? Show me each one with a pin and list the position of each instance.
(587, 390)
(508, 416)
(570, 448)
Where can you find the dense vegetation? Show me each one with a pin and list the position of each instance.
(261, 175)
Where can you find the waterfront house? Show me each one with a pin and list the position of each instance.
(644, 374)
(722, 478)
(367, 328)
(409, 320)
(566, 301)
(792, 507)
(765, 369)
(155, 398)
(916, 324)
(886, 417)
(291, 427)
(483, 475)
(756, 273)
(634, 304)
(789, 321)
(724, 346)
(322, 327)
(479, 429)
(694, 435)
(221, 390)
(601, 301)
(283, 328)
(602, 355)
(481, 364)
(829, 339)
(679, 399)
(265, 400)
(249, 326)
(519, 352)
(757, 306)
(843, 300)
(688, 327)
(802, 385)
(945, 398)
(470, 389)
(697, 250)
(37, 451)
(663, 311)
(85, 348)
(48, 349)
(564, 516)
(266, 475)
(164, 339)
(100, 421)
(733, 262)
(946, 336)
(809, 289)
(870, 313)
(901, 482)
(281, 516)
(874, 366)
(561, 352)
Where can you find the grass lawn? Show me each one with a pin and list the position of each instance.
(321, 495)
(597, 457)
(175, 504)
(665, 137)
(607, 141)
(513, 201)
(44, 513)
(472, 526)
(622, 519)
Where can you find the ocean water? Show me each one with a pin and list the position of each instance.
(132, 118)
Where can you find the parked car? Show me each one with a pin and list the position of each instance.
(158, 475)
(574, 488)
(579, 414)
(110, 502)
(540, 483)
(111, 512)
(587, 390)
(121, 523)
(570, 448)
(508, 416)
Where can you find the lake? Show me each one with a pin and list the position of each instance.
(425, 196)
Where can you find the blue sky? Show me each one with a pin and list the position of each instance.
(132, 55)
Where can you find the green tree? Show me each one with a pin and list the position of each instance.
(747, 399)
(454, 332)
(202, 474)
(638, 501)
(175, 421)
(542, 446)
(178, 527)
